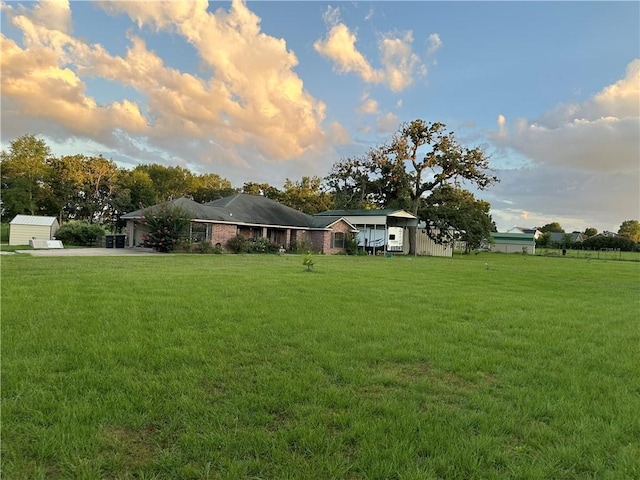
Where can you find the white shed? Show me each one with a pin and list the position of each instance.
(24, 228)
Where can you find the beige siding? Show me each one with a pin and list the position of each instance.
(426, 246)
(21, 234)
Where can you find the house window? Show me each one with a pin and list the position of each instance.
(338, 240)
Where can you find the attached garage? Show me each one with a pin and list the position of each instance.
(24, 228)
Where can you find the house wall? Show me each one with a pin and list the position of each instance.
(222, 233)
(21, 234)
(135, 233)
(320, 240)
(326, 240)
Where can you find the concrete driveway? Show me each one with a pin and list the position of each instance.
(90, 252)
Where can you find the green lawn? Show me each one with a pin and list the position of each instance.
(247, 367)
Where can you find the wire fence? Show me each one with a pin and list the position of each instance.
(597, 254)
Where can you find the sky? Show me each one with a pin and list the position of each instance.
(262, 91)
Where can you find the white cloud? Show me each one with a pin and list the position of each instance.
(331, 16)
(368, 106)
(434, 44)
(601, 134)
(387, 123)
(54, 14)
(254, 98)
(338, 134)
(583, 164)
(400, 65)
(369, 14)
(339, 46)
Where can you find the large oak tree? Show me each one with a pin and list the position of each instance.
(420, 157)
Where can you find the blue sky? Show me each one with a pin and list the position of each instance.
(263, 91)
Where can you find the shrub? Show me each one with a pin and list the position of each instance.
(79, 233)
(601, 241)
(263, 245)
(352, 246)
(207, 247)
(167, 224)
(239, 244)
(299, 246)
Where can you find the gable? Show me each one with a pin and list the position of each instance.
(34, 220)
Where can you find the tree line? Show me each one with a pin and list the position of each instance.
(421, 168)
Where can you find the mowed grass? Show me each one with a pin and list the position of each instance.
(224, 367)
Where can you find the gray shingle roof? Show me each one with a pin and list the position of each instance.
(260, 210)
(244, 209)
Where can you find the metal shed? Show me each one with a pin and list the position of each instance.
(24, 228)
(513, 243)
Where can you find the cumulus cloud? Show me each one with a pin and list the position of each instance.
(54, 14)
(339, 135)
(602, 134)
(368, 106)
(399, 64)
(387, 123)
(254, 97)
(582, 165)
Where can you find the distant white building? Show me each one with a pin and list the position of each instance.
(536, 233)
(24, 228)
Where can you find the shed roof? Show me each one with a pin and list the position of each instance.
(33, 220)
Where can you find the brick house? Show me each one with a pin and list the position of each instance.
(253, 216)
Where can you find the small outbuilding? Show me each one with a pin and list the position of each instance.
(513, 243)
(24, 228)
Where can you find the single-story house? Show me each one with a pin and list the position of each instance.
(24, 228)
(536, 233)
(513, 243)
(561, 239)
(379, 230)
(252, 216)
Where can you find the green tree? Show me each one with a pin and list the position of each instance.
(630, 229)
(420, 157)
(349, 182)
(553, 227)
(262, 189)
(210, 186)
(66, 186)
(100, 181)
(451, 209)
(166, 225)
(306, 195)
(590, 231)
(24, 175)
(169, 182)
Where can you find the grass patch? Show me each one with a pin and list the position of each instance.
(233, 366)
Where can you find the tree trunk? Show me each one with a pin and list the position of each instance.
(413, 233)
